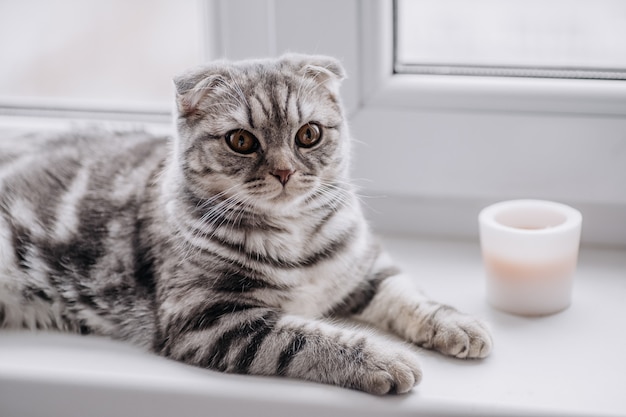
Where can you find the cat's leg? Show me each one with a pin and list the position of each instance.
(389, 299)
(249, 339)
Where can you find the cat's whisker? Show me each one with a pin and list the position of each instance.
(230, 207)
(236, 97)
(219, 196)
(222, 104)
(237, 88)
(202, 224)
(244, 210)
(309, 88)
(189, 247)
(354, 192)
(335, 197)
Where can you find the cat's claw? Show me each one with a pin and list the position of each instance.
(391, 370)
(463, 337)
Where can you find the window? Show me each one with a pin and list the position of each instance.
(110, 55)
(438, 147)
(536, 38)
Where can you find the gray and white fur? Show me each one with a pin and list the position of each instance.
(233, 246)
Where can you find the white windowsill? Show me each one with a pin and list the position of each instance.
(570, 363)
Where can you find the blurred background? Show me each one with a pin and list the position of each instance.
(121, 51)
(547, 38)
(454, 104)
(116, 53)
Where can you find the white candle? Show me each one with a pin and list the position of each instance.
(530, 250)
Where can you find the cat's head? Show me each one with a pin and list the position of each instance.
(269, 131)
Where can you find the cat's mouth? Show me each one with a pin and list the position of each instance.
(271, 190)
(284, 193)
(289, 192)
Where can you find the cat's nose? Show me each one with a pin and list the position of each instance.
(282, 175)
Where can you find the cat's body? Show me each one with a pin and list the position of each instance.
(228, 247)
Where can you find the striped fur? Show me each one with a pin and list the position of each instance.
(212, 257)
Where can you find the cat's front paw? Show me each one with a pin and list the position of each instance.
(389, 369)
(459, 335)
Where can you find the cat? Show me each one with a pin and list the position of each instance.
(237, 245)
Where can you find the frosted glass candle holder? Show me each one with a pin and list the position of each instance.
(530, 251)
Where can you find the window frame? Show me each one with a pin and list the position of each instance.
(385, 87)
(369, 55)
(421, 197)
(383, 104)
(15, 111)
(376, 96)
(528, 70)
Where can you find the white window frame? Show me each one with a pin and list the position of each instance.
(604, 97)
(585, 117)
(439, 187)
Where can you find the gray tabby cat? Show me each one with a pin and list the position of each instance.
(230, 247)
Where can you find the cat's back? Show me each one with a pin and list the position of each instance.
(23, 152)
(70, 205)
(43, 167)
(48, 179)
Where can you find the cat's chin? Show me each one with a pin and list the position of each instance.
(284, 199)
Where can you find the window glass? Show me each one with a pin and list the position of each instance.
(552, 38)
(113, 51)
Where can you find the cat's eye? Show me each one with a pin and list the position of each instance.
(308, 135)
(242, 141)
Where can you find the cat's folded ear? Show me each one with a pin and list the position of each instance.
(193, 85)
(196, 84)
(323, 69)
